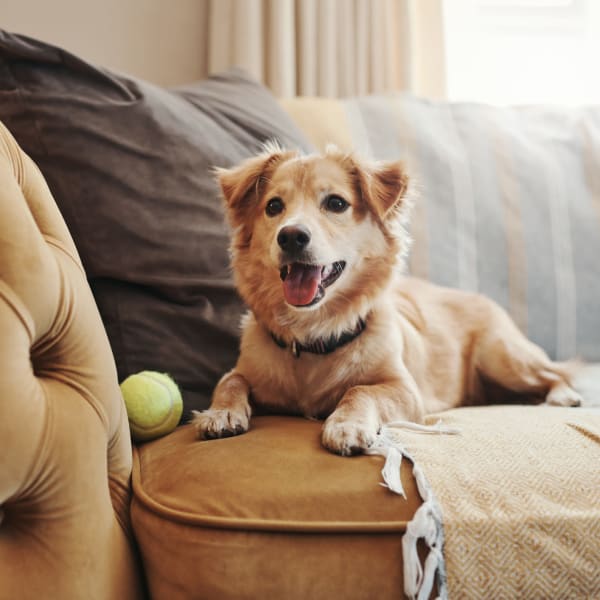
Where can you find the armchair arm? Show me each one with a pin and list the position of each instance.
(65, 460)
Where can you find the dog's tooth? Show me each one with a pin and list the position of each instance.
(283, 273)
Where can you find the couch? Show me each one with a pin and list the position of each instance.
(129, 272)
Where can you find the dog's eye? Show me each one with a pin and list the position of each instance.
(274, 207)
(335, 204)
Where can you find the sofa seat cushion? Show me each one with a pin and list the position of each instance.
(267, 514)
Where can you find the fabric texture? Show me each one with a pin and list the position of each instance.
(65, 462)
(506, 201)
(426, 525)
(336, 48)
(130, 166)
(268, 514)
(520, 498)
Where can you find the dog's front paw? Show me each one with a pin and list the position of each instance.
(211, 424)
(347, 437)
(563, 395)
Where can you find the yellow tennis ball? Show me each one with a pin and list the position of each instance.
(154, 404)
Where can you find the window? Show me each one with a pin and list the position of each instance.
(523, 51)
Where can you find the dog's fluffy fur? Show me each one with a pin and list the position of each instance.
(424, 348)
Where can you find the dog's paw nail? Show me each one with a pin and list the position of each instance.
(346, 450)
(347, 439)
(563, 395)
(214, 424)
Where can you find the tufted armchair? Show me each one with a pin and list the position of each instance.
(65, 460)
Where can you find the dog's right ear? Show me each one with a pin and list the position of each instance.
(241, 185)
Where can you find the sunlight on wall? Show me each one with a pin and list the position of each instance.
(523, 51)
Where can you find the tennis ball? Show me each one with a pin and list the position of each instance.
(154, 404)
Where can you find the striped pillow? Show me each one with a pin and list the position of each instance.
(508, 201)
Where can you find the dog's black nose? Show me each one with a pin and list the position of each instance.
(293, 238)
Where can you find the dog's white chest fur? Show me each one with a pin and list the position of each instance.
(279, 379)
(309, 384)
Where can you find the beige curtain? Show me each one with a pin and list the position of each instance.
(332, 48)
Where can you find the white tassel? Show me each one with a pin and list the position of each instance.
(387, 447)
(427, 520)
(439, 427)
(391, 471)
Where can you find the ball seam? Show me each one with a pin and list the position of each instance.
(171, 400)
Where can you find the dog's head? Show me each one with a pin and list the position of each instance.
(313, 233)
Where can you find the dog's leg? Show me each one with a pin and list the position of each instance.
(229, 412)
(353, 426)
(505, 356)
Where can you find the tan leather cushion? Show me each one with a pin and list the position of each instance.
(268, 514)
(65, 448)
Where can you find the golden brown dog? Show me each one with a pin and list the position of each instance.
(334, 329)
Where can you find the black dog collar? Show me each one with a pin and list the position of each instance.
(323, 346)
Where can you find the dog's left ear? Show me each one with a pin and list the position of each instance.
(382, 185)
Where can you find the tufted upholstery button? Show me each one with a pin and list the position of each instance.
(65, 463)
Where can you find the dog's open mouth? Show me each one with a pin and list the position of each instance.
(304, 285)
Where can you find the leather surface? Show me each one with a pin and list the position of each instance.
(269, 513)
(65, 462)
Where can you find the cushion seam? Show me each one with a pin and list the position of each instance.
(18, 308)
(241, 524)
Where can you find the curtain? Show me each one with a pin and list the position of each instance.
(332, 48)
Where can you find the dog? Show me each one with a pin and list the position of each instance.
(335, 330)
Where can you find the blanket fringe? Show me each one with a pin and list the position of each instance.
(427, 520)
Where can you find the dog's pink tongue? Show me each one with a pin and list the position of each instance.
(301, 284)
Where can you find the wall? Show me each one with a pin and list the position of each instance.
(157, 40)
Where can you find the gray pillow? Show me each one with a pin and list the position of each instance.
(129, 165)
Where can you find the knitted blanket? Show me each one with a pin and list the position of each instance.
(519, 493)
